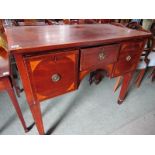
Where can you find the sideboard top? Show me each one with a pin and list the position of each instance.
(39, 38)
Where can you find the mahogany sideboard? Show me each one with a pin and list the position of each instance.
(52, 60)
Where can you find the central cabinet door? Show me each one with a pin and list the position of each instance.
(53, 74)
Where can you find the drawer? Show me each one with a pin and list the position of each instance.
(53, 74)
(94, 56)
(130, 48)
(126, 65)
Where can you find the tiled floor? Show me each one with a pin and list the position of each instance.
(89, 110)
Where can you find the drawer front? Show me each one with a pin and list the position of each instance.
(53, 74)
(94, 56)
(130, 48)
(125, 65)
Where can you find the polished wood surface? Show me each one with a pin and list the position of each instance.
(98, 55)
(32, 38)
(124, 66)
(129, 48)
(54, 68)
(128, 58)
(52, 60)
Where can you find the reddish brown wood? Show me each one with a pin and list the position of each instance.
(140, 77)
(125, 84)
(130, 48)
(118, 82)
(126, 65)
(43, 68)
(108, 68)
(66, 21)
(129, 56)
(101, 55)
(71, 52)
(36, 112)
(42, 38)
(30, 95)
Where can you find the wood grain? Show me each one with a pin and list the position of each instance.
(41, 38)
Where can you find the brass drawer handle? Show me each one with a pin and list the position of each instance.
(101, 55)
(56, 77)
(128, 58)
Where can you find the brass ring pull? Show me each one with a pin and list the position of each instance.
(101, 56)
(128, 58)
(56, 77)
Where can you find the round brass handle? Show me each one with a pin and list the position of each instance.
(101, 56)
(56, 77)
(128, 58)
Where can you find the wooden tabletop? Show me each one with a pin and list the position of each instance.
(38, 38)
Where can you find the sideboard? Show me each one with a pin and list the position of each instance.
(52, 60)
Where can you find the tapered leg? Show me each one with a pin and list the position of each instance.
(126, 81)
(140, 77)
(35, 108)
(117, 84)
(36, 112)
(17, 108)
